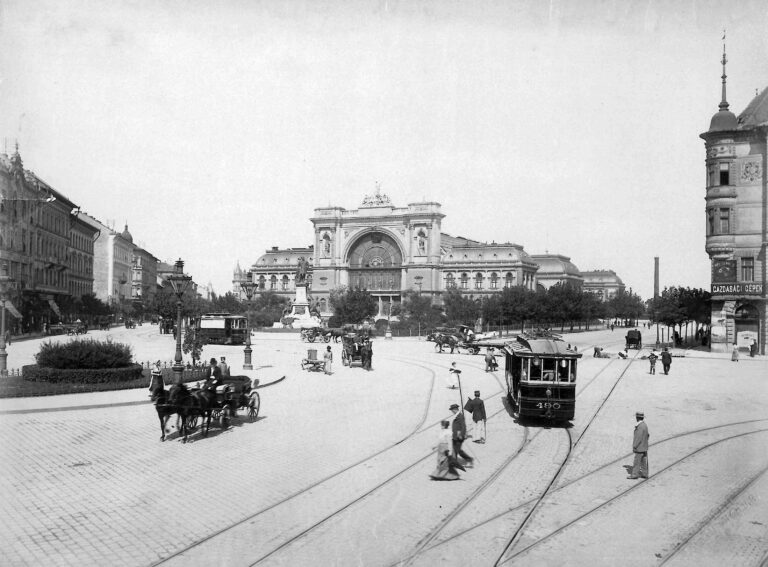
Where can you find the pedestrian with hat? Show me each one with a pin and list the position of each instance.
(652, 358)
(476, 407)
(459, 434)
(446, 463)
(454, 374)
(666, 360)
(640, 448)
(212, 376)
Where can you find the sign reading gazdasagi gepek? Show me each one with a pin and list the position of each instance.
(737, 289)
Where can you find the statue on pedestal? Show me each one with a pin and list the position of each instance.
(302, 271)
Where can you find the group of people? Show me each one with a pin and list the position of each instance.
(214, 373)
(666, 360)
(451, 457)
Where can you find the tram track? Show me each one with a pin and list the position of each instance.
(492, 478)
(572, 444)
(487, 521)
(632, 489)
(417, 430)
(421, 427)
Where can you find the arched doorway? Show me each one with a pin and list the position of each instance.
(746, 327)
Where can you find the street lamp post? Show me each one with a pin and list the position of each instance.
(5, 284)
(418, 283)
(388, 334)
(249, 287)
(179, 282)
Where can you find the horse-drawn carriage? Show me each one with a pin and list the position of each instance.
(311, 334)
(634, 339)
(352, 349)
(312, 363)
(198, 405)
(77, 328)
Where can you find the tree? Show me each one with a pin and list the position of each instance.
(460, 309)
(192, 344)
(266, 309)
(227, 303)
(352, 305)
(417, 313)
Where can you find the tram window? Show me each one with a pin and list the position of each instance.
(535, 369)
(563, 370)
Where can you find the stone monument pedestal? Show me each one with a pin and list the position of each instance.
(300, 310)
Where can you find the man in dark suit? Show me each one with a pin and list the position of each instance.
(666, 360)
(459, 430)
(212, 376)
(477, 408)
(640, 448)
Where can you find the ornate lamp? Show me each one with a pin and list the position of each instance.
(248, 287)
(180, 283)
(6, 283)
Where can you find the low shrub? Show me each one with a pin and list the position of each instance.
(37, 373)
(80, 354)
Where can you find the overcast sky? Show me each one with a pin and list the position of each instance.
(215, 128)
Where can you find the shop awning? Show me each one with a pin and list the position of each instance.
(54, 307)
(12, 310)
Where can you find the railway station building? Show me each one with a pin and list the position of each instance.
(736, 220)
(388, 250)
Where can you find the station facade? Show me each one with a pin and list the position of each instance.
(737, 222)
(388, 250)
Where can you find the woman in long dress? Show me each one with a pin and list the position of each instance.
(446, 463)
(328, 358)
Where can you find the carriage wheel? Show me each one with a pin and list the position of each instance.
(474, 350)
(224, 416)
(254, 405)
(327, 338)
(311, 338)
(192, 422)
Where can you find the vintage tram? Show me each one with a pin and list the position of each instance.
(222, 329)
(541, 377)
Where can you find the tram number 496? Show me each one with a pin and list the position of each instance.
(548, 405)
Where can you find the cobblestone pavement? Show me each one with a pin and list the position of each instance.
(95, 486)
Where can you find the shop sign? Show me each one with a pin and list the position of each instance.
(737, 289)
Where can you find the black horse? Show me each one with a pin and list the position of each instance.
(443, 339)
(177, 400)
(335, 334)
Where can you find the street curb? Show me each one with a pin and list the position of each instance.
(101, 406)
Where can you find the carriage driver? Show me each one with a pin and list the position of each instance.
(212, 376)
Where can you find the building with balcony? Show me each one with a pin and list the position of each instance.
(736, 219)
(143, 276)
(49, 253)
(113, 262)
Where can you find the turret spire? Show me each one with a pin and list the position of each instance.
(724, 102)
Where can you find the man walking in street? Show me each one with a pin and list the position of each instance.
(652, 358)
(459, 429)
(640, 448)
(477, 408)
(666, 360)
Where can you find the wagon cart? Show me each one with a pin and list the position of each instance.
(352, 352)
(634, 339)
(235, 392)
(311, 363)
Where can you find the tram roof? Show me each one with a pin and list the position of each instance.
(542, 347)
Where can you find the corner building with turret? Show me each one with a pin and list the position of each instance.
(737, 222)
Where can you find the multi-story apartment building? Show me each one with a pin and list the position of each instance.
(47, 251)
(737, 222)
(113, 262)
(143, 276)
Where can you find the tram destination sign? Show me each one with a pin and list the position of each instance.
(737, 289)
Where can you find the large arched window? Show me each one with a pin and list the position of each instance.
(273, 282)
(375, 263)
(262, 282)
(450, 281)
(494, 280)
(509, 279)
(284, 283)
(478, 280)
(464, 281)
